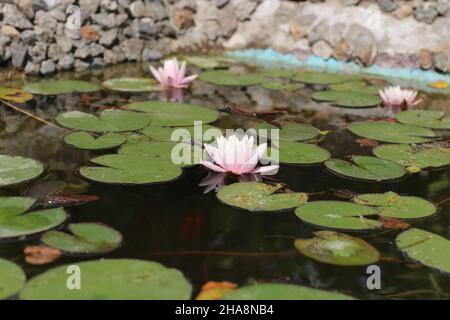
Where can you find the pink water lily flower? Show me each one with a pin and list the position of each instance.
(398, 97)
(172, 75)
(237, 156)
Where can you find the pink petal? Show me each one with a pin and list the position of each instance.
(211, 166)
(267, 170)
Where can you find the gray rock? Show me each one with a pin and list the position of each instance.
(106, 20)
(318, 31)
(146, 28)
(97, 63)
(108, 37)
(88, 8)
(58, 14)
(95, 49)
(132, 49)
(10, 31)
(15, 18)
(82, 52)
(426, 59)
(244, 8)
(110, 57)
(155, 10)
(72, 34)
(28, 36)
(81, 65)
(38, 52)
(132, 30)
(26, 6)
(442, 7)
(47, 67)
(322, 49)
(64, 43)
(442, 62)
(66, 62)
(45, 19)
(121, 18)
(124, 3)
(227, 22)
(348, 3)
(44, 34)
(32, 68)
(387, 5)
(20, 52)
(221, 3)
(149, 54)
(362, 43)
(110, 5)
(54, 51)
(166, 29)
(426, 13)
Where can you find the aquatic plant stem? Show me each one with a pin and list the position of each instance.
(32, 115)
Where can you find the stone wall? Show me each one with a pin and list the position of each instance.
(35, 35)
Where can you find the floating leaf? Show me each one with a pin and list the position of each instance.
(338, 248)
(15, 170)
(12, 279)
(298, 153)
(255, 196)
(279, 291)
(16, 222)
(111, 279)
(208, 62)
(391, 132)
(86, 238)
(39, 255)
(277, 73)
(392, 205)
(59, 87)
(174, 114)
(413, 156)
(357, 85)
(281, 86)
(425, 247)
(109, 121)
(230, 78)
(349, 99)
(391, 223)
(366, 168)
(127, 84)
(290, 131)
(130, 169)
(215, 290)
(85, 140)
(201, 133)
(338, 215)
(321, 78)
(424, 118)
(14, 95)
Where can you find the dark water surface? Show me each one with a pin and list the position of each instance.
(180, 226)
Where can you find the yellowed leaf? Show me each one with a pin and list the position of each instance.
(215, 290)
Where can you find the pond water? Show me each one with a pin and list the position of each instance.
(180, 226)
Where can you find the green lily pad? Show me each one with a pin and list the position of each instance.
(183, 133)
(12, 279)
(59, 87)
(84, 140)
(256, 196)
(130, 169)
(16, 222)
(349, 99)
(392, 205)
(290, 131)
(366, 168)
(391, 132)
(230, 78)
(281, 86)
(14, 170)
(414, 156)
(208, 62)
(108, 121)
(357, 85)
(86, 238)
(338, 248)
(338, 215)
(279, 291)
(110, 279)
(14, 95)
(424, 118)
(298, 153)
(277, 73)
(132, 84)
(321, 78)
(174, 114)
(425, 247)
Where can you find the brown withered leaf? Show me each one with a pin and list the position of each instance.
(266, 115)
(391, 223)
(215, 290)
(345, 194)
(367, 142)
(39, 255)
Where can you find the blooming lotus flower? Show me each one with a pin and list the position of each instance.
(398, 97)
(237, 156)
(172, 75)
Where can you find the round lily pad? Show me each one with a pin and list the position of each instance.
(279, 291)
(424, 118)
(281, 86)
(59, 87)
(298, 153)
(208, 62)
(85, 140)
(277, 73)
(391, 132)
(85, 238)
(174, 114)
(392, 205)
(321, 78)
(338, 248)
(130, 169)
(110, 279)
(230, 78)
(14, 95)
(256, 196)
(425, 247)
(414, 156)
(127, 84)
(366, 168)
(15, 221)
(349, 99)
(338, 215)
(109, 121)
(200, 133)
(357, 85)
(290, 131)
(14, 170)
(12, 279)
